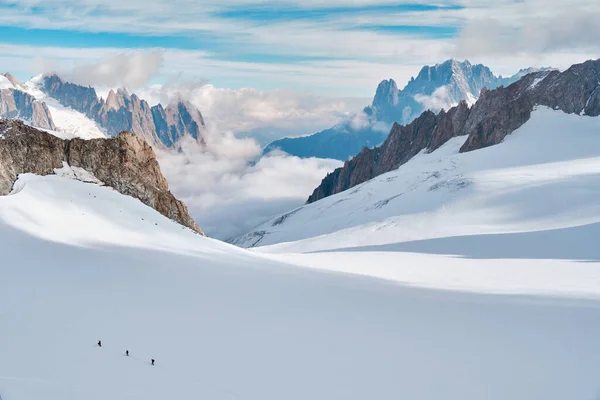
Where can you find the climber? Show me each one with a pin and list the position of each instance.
(99, 343)
(152, 360)
(127, 353)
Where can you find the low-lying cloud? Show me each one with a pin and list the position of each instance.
(436, 101)
(263, 115)
(131, 70)
(229, 190)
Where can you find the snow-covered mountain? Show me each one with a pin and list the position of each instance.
(547, 120)
(82, 263)
(124, 111)
(436, 87)
(487, 267)
(496, 114)
(532, 196)
(70, 111)
(126, 163)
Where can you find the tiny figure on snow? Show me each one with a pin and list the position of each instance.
(127, 353)
(99, 343)
(152, 361)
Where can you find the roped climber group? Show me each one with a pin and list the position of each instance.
(126, 352)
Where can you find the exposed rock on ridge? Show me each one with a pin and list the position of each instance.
(122, 111)
(125, 162)
(17, 104)
(496, 114)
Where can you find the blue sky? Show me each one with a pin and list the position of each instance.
(340, 47)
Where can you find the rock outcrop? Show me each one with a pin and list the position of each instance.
(18, 104)
(125, 163)
(496, 114)
(122, 111)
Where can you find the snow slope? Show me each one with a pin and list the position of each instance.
(80, 262)
(543, 177)
(5, 83)
(69, 122)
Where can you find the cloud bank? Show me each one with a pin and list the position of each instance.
(229, 191)
(131, 70)
(264, 115)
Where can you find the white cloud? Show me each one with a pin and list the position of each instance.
(437, 100)
(228, 193)
(534, 27)
(131, 69)
(507, 34)
(264, 115)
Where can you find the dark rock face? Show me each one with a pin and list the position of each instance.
(495, 115)
(17, 104)
(125, 162)
(80, 98)
(122, 111)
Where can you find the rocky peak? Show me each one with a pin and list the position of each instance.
(125, 163)
(178, 120)
(114, 101)
(14, 81)
(18, 104)
(122, 111)
(496, 114)
(387, 93)
(456, 80)
(80, 98)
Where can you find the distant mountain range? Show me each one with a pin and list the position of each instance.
(453, 174)
(437, 87)
(121, 111)
(496, 114)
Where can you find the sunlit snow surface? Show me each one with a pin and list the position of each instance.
(544, 176)
(80, 262)
(69, 122)
(519, 217)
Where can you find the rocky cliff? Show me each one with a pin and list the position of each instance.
(125, 163)
(15, 103)
(496, 114)
(122, 111)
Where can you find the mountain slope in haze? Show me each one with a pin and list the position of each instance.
(435, 87)
(339, 143)
(532, 196)
(125, 163)
(122, 111)
(83, 263)
(496, 114)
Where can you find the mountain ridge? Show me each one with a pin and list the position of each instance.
(435, 87)
(496, 114)
(124, 162)
(122, 111)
